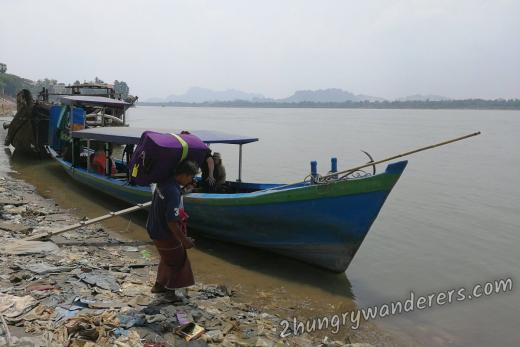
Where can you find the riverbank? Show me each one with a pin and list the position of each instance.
(87, 286)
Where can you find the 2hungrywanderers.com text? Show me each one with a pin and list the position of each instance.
(413, 302)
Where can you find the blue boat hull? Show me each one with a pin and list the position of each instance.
(322, 225)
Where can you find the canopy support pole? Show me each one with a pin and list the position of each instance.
(88, 155)
(239, 163)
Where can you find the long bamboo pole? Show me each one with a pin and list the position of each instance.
(87, 222)
(403, 154)
(386, 159)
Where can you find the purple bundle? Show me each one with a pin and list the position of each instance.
(158, 154)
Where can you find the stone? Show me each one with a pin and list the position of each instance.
(14, 227)
(214, 336)
(14, 202)
(263, 342)
(15, 209)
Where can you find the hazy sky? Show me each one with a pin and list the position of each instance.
(387, 48)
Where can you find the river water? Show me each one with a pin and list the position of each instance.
(452, 220)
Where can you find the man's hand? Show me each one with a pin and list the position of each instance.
(211, 181)
(188, 243)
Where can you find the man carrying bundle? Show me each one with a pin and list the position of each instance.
(166, 227)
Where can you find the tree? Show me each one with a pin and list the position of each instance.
(121, 88)
(3, 68)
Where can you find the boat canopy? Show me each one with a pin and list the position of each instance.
(94, 101)
(130, 135)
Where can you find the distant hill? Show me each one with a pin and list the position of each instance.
(198, 95)
(327, 95)
(201, 95)
(325, 98)
(421, 97)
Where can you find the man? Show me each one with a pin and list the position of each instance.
(219, 171)
(165, 227)
(99, 161)
(213, 173)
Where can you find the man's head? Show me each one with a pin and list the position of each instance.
(185, 172)
(217, 158)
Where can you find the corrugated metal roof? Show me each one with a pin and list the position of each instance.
(130, 135)
(94, 100)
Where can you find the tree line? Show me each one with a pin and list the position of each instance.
(496, 104)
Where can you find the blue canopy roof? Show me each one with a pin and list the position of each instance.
(130, 135)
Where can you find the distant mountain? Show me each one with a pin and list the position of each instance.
(327, 95)
(421, 97)
(199, 95)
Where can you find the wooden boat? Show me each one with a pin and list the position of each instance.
(320, 223)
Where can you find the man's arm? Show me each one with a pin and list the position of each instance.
(179, 235)
(222, 175)
(211, 169)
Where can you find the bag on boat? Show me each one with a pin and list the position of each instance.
(158, 154)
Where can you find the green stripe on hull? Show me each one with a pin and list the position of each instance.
(382, 182)
(100, 183)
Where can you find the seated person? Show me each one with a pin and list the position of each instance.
(213, 173)
(99, 161)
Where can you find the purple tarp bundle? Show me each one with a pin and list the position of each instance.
(158, 154)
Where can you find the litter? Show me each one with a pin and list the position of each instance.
(189, 331)
(130, 249)
(146, 254)
(63, 313)
(99, 278)
(44, 268)
(182, 317)
(131, 319)
(13, 306)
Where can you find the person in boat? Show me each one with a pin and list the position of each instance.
(99, 161)
(166, 226)
(213, 173)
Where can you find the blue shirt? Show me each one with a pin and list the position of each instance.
(165, 208)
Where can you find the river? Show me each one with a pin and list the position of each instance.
(452, 220)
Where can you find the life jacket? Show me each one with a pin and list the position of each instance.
(99, 163)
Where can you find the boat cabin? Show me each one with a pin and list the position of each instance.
(120, 142)
(99, 110)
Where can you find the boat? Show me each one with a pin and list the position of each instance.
(41, 123)
(321, 223)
